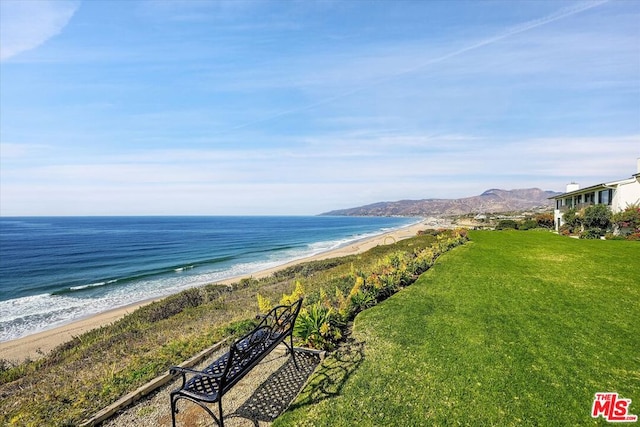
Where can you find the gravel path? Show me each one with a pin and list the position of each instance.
(256, 400)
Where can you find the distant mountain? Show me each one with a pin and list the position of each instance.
(493, 200)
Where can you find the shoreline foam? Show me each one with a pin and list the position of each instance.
(37, 345)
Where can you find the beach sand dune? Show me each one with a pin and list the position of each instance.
(37, 345)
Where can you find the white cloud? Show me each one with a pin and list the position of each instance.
(25, 25)
(309, 179)
(12, 151)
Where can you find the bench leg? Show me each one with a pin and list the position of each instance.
(174, 409)
(293, 353)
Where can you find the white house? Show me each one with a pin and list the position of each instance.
(617, 194)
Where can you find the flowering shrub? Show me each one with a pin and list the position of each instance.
(628, 222)
(545, 220)
(319, 324)
(394, 272)
(634, 236)
(264, 304)
(298, 293)
(423, 260)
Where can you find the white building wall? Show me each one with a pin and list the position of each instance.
(557, 219)
(627, 194)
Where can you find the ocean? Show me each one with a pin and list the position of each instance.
(54, 270)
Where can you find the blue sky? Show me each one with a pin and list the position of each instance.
(299, 107)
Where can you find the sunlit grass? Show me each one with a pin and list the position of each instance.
(514, 328)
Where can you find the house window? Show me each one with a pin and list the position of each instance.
(605, 196)
(579, 199)
(589, 197)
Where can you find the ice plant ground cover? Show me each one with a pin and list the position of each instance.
(511, 329)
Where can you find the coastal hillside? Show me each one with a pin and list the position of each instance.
(493, 200)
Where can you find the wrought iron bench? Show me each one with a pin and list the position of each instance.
(209, 385)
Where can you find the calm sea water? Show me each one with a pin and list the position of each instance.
(59, 269)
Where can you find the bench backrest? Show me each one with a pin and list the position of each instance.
(248, 350)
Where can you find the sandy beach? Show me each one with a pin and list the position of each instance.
(37, 345)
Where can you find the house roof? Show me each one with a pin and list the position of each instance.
(595, 187)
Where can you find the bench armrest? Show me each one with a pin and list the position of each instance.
(175, 369)
(184, 371)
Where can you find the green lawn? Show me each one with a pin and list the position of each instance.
(511, 329)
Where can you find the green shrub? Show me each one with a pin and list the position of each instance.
(505, 224)
(317, 327)
(592, 233)
(597, 216)
(611, 236)
(362, 300)
(528, 224)
(571, 219)
(307, 269)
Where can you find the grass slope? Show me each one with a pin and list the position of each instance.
(511, 329)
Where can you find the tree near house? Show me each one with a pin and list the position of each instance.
(596, 220)
(597, 216)
(592, 222)
(571, 221)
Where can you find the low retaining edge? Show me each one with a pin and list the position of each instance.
(149, 387)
